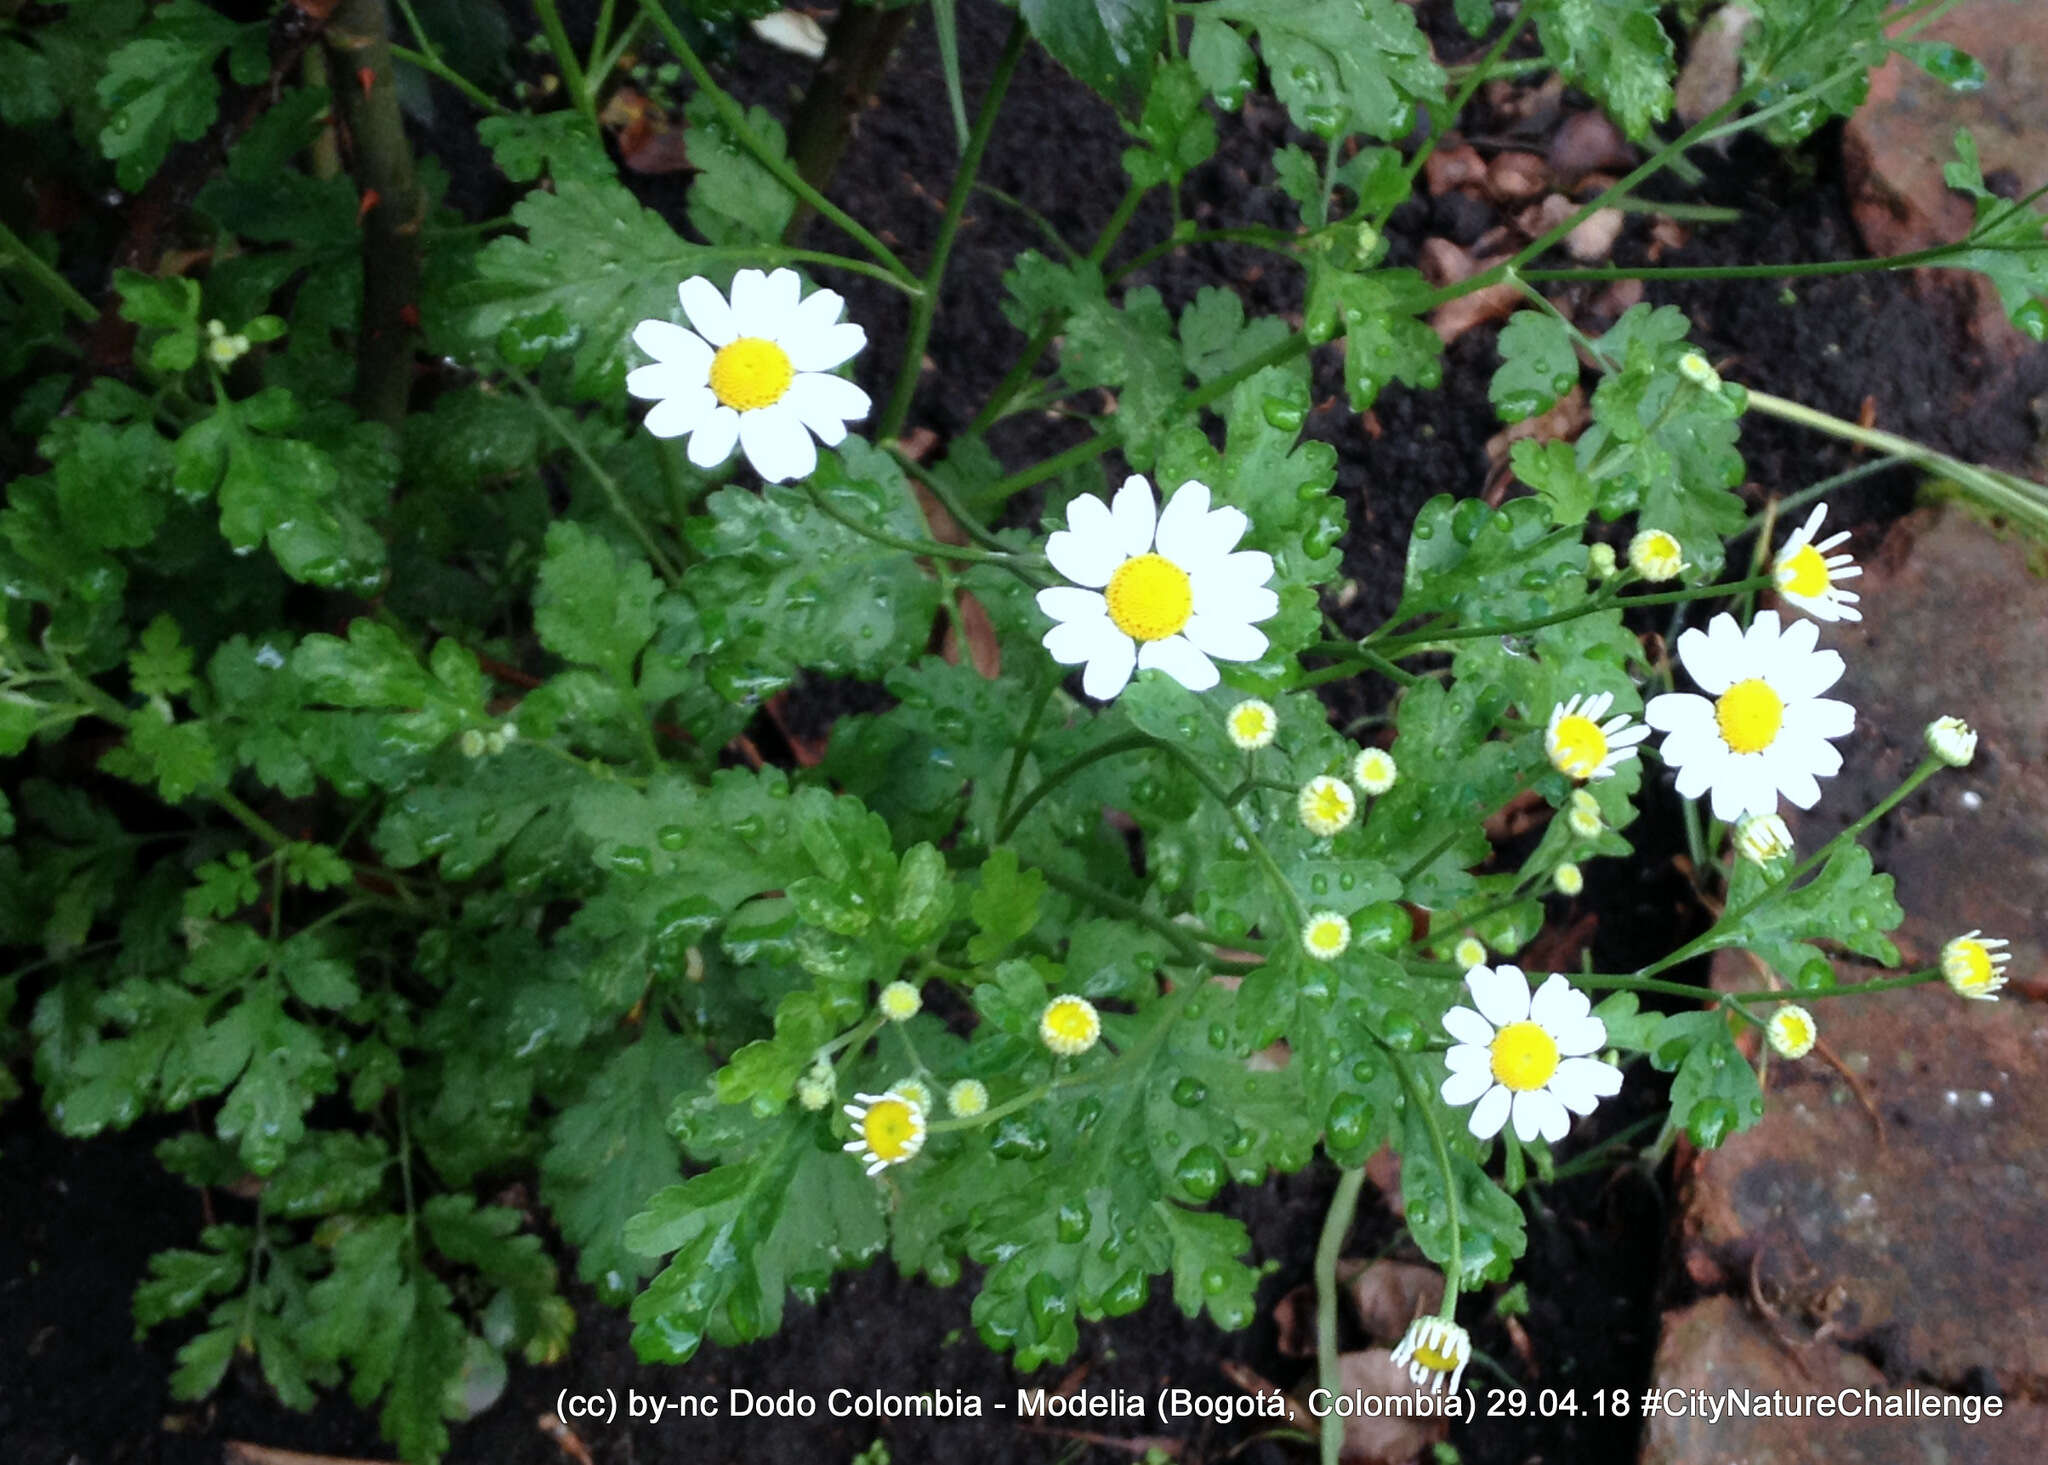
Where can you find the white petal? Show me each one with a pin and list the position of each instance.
(1086, 559)
(826, 404)
(708, 311)
(1219, 595)
(1501, 994)
(823, 350)
(819, 312)
(1581, 1035)
(1491, 1113)
(1247, 567)
(1462, 1057)
(1221, 636)
(671, 344)
(1672, 711)
(1697, 774)
(1798, 642)
(1073, 642)
(1179, 659)
(685, 412)
(1808, 676)
(1558, 1002)
(1799, 786)
(1708, 656)
(1468, 1026)
(1539, 1112)
(1109, 670)
(662, 379)
(1068, 603)
(1461, 1089)
(1581, 1082)
(777, 443)
(713, 441)
(1132, 516)
(1181, 525)
(757, 305)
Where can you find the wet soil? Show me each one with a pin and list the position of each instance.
(78, 1222)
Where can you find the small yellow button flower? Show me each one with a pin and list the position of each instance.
(1568, 879)
(1600, 562)
(889, 1130)
(899, 1002)
(967, 1098)
(1583, 814)
(1656, 556)
(1251, 724)
(1326, 805)
(1791, 1031)
(914, 1091)
(1696, 369)
(1069, 1025)
(1974, 965)
(1325, 935)
(1762, 838)
(1374, 771)
(1435, 1351)
(1469, 953)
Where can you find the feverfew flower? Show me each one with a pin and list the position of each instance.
(1163, 590)
(1325, 935)
(1435, 1351)
(1525, 1059)
(1069, 1025)
(1791, 1031)
(1807, 575)
(1326, 804)
(1469, 953)
(967, 1098)
(224, 349)
(813, 1093)
(1600, 562)
(1762, 838)
(1568, 879)
(1374, 771)
(890, 1130)
(1974, 966)
(1762, 729)
(1581, 746)
(1251, 724)
(1696, 369)
(1584, 815)
(756, 372)
(899, 1002)
(1952, 740)
(914, 1091)
(1655, 555)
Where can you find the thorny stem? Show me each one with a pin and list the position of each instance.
(922, 311)
(857, 54)
(1329, 1246)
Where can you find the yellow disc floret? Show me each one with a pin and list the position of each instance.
(1792, 1031)
(1150, 597)
(1326, 805)
(1524, 1056)
(1069, 1025)
(1374, 770)
(1655, 555)
(1325, 935)
(1973, 965)
(1577, 746)
(967, 1098)
(1804, 572)
(889, 1127)
(1251, 724)
(751, 373)
(1749, 715)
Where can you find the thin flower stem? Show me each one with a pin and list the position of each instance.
(1329, 1248)
(434, 66)
(921, 313)
(943, 489)
(1183, 942)
(1800, 270)
(1929, 766)
(1418, 1103)
(566, 60)
(14, 251)
(1421, 641)
(1473, 80)
(929, 548)
(1048, 685)
(670, 571)
(1792, 503)
(1270, 240)
(773, 254)
(734, 118)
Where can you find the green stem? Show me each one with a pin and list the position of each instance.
(1048, 684)
(434, 66)
(13, 248)
(942, 488)
(1128, 743)
(772, 254)
(929, 548)
(736, 120)
(921, 313)
(1329, 1247)
(1419, 1103)
(1271, 240)
(1792, 503)
(1929, 766)
(670, 571)
(1472, 82)
(1808, 268)
(1427, 640)
(566, 60)
(1189, 949)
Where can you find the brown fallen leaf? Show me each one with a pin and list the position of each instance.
(1294, 1318)
(565, 1439)
(241, 1452)
(1252, 1383)
(1383, 1169)
(1387, 1438)
(1390, 1295)
(1455, 317)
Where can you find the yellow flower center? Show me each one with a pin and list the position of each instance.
(1328, 804)
(1434, 1359)
(1749, 715)
(1804, 572)
(751, 373)
(889, 1127)
(1327, 936)
(1577, 746)
(1794, 1031)
(1967, 964)
(1524, 1056)
(1150, 597)
(1071, 1021)
(1247, 724)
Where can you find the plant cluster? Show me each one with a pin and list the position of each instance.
(377, 668)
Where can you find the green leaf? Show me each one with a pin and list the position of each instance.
(1617, 50)
(1715, 1093)
(2007, 244)
(1215, 339)
(1538, 365)
(180, 1282)
(179, 758)
(160, 88)
(744, 1233)
(168, 311)
(1820, 52)
(161, 663)
(1111, 45)
(289, 1067)
(1952, 66)
(1004, 906)
(330, 1173)
(1552, 469)
(558, 144)
(1341, 65)
(1224, 61)
(592, 605)
(1383, 340)
(1492, 1237)
(1178, 133)
(735, 199)
(1847, 903)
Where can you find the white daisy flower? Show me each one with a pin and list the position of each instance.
(1656, 555)
(1584, 815)
(1952, 740)
(1581, 746)
(756, 372)
(1163, 590)
(890, 1129)
(1763, 727)
(1325, 935)
(1762, 838)
(1326, 805)
(1568, 879)
(1525, 1058)
(1251, 724)
(1435, 1351)
(967, 1098)
(1374, 770)
(1069, 1025)
(1791, 1031)
(1807, 575)
(899, 1001)
(1973, 965)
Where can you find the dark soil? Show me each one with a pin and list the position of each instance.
(78, 1222)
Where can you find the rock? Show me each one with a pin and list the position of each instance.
(1517, 177)
(1894, 148)
(1593, 240)
(1718, 1344)
(1713, 64)
(1390, 1295)
(1454, 164)
(1588, 143)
